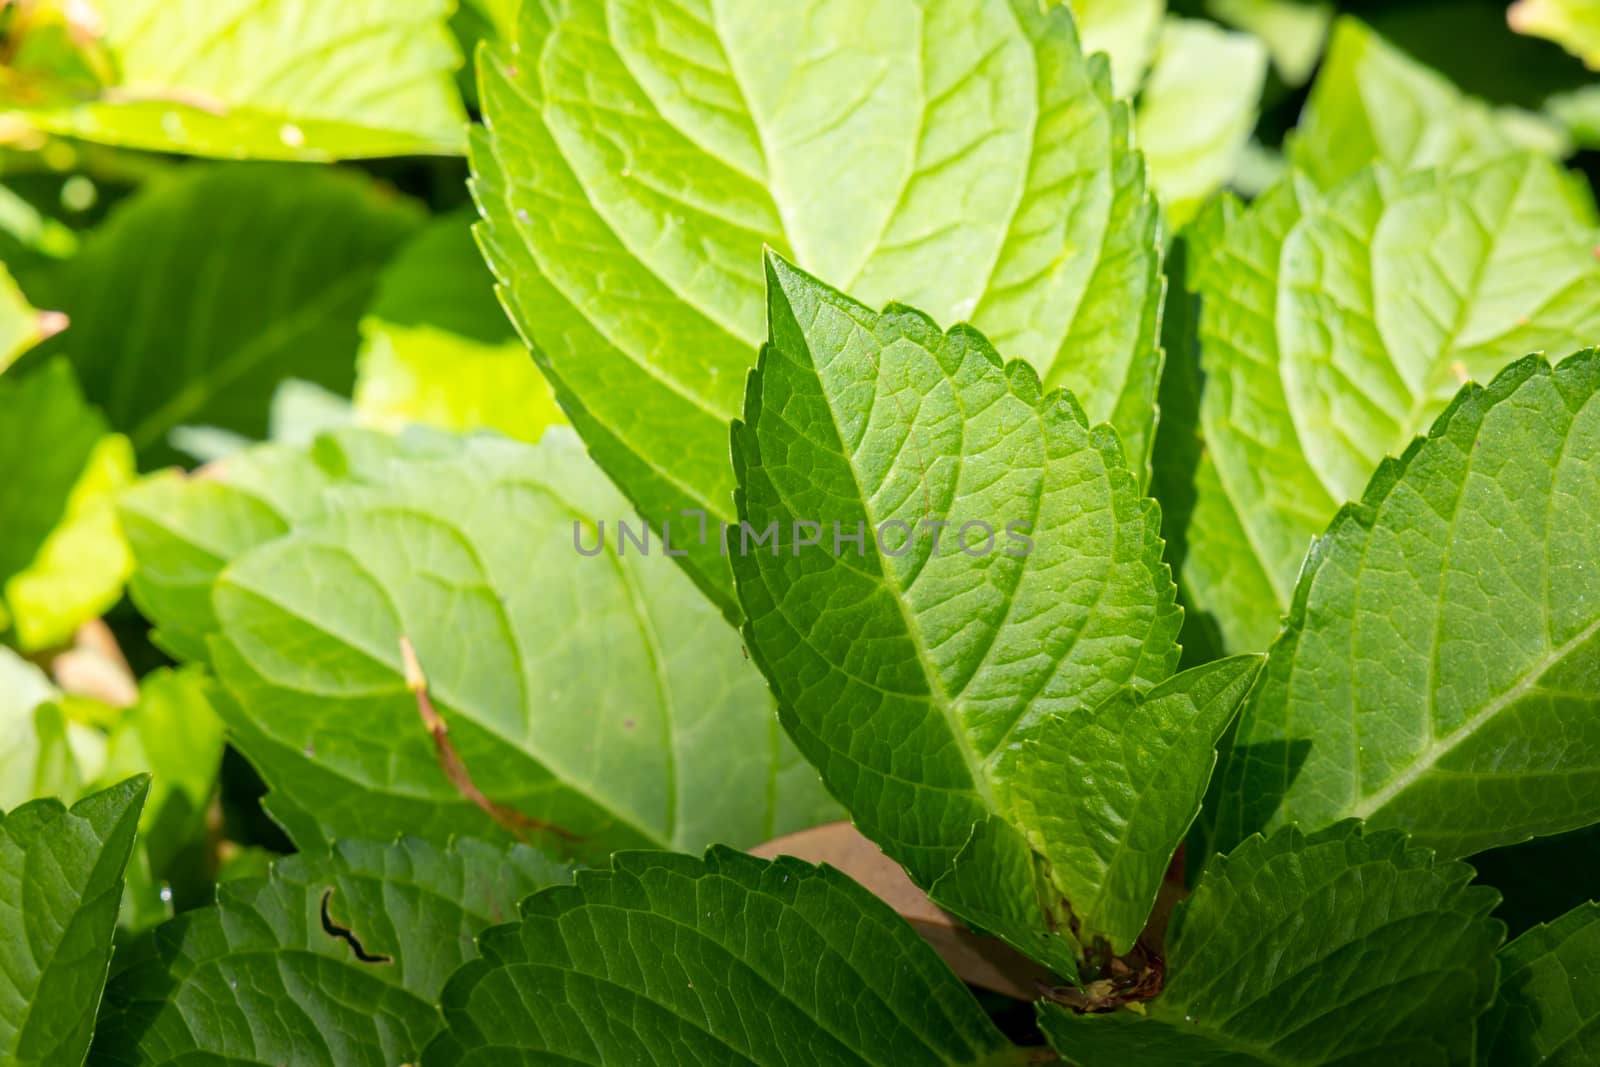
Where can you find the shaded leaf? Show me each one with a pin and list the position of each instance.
(1548, 1008)
(62, 557)
(172, 733)
(201, 293)
(437, 347)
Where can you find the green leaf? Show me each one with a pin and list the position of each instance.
(475, 21)
(1296, 950)
(1573, 24)
(602, 696)
(1125, 30)
(40, 750)
(1578, 112)
(62, 557)
(1548, 1007)
(1136, 769)
(334, 960)
(1293, 31)
(173, 733)
(184, 529)
(1336, 327)
(28, 232)
(637, 158)
(21, 327)
(437, 347)
(1197, 112)
(1373, 103)
(667, 959)
(50, 746)
(1437, 672)
(202, 292)
(266, 79)
(60, 882)
(910, 670)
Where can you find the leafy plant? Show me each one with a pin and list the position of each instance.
(1116, 554)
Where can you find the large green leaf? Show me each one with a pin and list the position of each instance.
(1298, 951)
(1336, 327)
(1573, 24)
(274, 79)
(1439, 668)
(668, 960)
(204, 291)
(1548, 1007)
(334, 959)
(1197, 112)
(60, 882)
(602, 695)
(1007, 574)
(437, 347)
(62, 557)
(638, 156)
(1373, 103)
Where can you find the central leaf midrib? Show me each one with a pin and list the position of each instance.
(937, 693)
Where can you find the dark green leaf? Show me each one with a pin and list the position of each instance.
(60, 883)
(1299, 951)
(62, 558)
(1548, 1007)
(332, 960)
(203, 292)
(669, 960)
